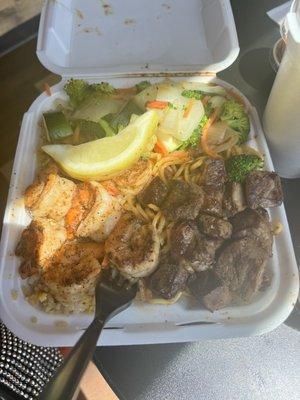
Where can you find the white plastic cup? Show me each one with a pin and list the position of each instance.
(281, 118)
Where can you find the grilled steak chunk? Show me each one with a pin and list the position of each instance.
(168, 280)
(254, 224)
(219, 297)
(214, 227)
(208, 289)
(234, 199)
(241, 266)
(263, 189)
(184, 238)
(154, 193)
(183, 201)
(213, 199)
(203, 256)
(193, 250)
(214, 172)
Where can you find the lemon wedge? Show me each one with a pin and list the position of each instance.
(105, 158)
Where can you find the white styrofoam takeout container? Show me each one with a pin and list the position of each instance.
(99, 40)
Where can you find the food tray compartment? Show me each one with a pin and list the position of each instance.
(84, 38)
(141, 323)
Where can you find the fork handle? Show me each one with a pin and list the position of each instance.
(66, 379)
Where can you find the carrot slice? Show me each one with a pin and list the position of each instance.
(158, 104)
(188, 108)
(160, 148)
(47, 89)
(204, 136)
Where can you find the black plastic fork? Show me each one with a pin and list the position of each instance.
(111, 299)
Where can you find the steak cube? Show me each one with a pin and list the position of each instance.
(155, 193)
(263, 189)
(168, 280)
(214, 226)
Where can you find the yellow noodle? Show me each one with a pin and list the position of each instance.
(179, 171)
(153, 207)
(197, 163)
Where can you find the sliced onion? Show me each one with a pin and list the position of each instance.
(216, 133)
(221, 138)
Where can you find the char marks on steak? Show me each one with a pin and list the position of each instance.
(183, 201)
(254, 224)
(168, 280)
(155, 193)
(209, 290)
(241, 265)
(213, 200)
(263, 189)
(190, 248)
(214, 227)
(214, 172)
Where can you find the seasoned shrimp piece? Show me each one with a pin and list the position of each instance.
(39, 241)
(70, 284)
(82, 202)
(133, 247)
(50, 196)
(72, 273)
(72, 252)
(102, 216)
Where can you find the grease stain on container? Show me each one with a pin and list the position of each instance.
(79, 14)
(129, 21)
(89, 29)
(166, 6)
(107, 8)
(61, 324)
(14, 294)
(33, 319)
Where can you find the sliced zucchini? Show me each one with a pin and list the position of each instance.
(205, 88)
(109, 131)
(89, 130)
(145, 95)
(56, 125)
(97, 107)
(122, 118)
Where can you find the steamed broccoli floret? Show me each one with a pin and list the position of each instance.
(238, 167)
(103, 87)
(77, 90)
(235, 115)
(192, 94)
(142, 85)
(193, 140)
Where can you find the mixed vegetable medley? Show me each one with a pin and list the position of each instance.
(175, 116)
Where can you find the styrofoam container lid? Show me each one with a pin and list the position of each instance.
(109, 38)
